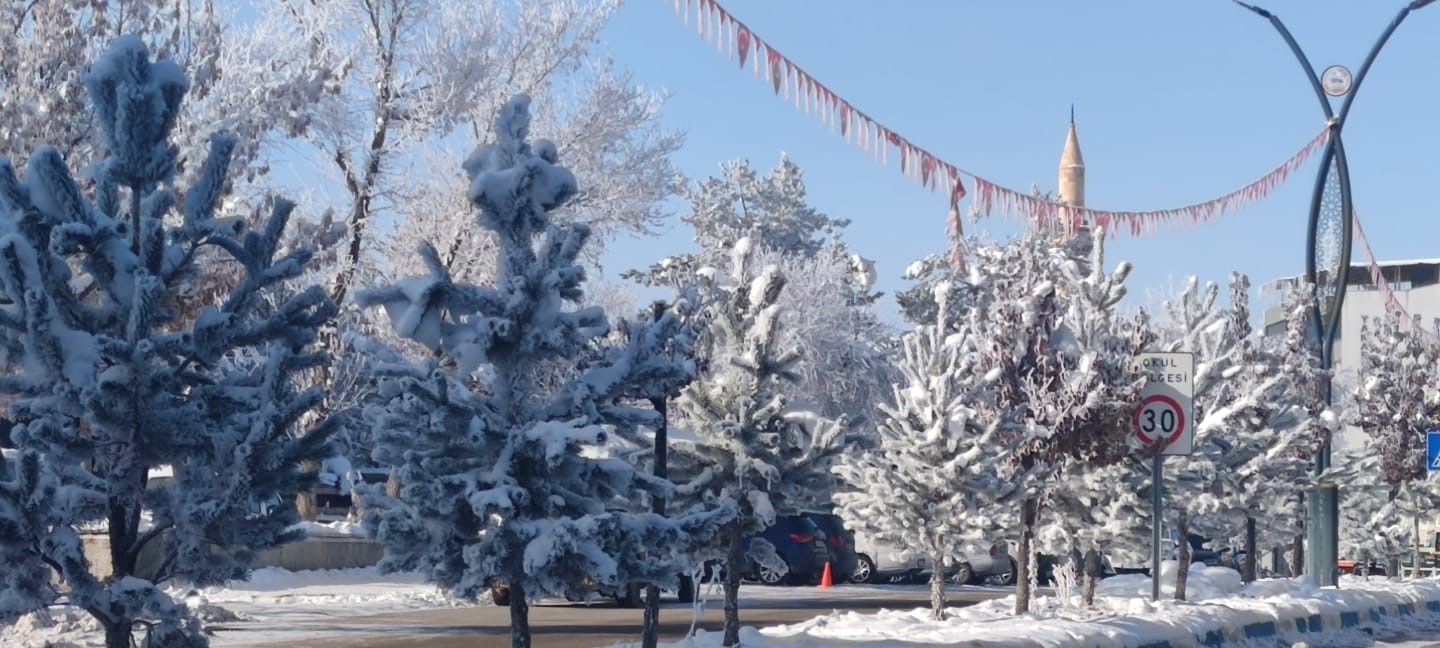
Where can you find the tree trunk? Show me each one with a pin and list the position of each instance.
(1415, 570)
(937, 588)
(1182, 556)
(117, 634)
(734, 564)
(1297, 556)
(650, 625)
(1248, 573)
(305, 503)
(519, 616)
(1029, 510)
(1093, 572)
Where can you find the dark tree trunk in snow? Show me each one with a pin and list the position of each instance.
(937, 588)
(650, 623)
(734, 563)
(1093, 572)
(1182, 556)
(1029, 511)
(1248, 572)
(1415, 570)
(117, 635)
(1297, 556)
(519, 616)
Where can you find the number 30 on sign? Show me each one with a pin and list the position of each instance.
(1159, 418)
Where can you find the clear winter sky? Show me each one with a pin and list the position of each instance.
(1177, 101)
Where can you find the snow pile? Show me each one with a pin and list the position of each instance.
(1202, 584)
(1120, 617)
(340, 528)
(61, 627)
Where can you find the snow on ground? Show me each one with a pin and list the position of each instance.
(1123, 615)
(272, 602)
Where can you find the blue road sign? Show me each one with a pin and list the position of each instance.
(1432, 450)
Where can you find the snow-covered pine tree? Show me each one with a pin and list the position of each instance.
(1396, 402)
(1270, 462)
(754, 449)
(502, 466)
(932, 485)
(1224, 397)
(111, 384)
(1058, 364)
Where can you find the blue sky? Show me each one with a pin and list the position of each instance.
(1177, 101)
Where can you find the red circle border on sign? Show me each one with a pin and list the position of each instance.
(1179, 418)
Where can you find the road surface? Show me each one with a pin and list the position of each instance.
(574, 625)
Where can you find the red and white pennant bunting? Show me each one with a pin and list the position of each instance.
(792, 82)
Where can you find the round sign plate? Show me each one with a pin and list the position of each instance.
(1159, 417)
(1336, 80)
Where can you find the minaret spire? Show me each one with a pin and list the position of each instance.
(1071, 186)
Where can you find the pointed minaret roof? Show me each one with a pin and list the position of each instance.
(1072, 168)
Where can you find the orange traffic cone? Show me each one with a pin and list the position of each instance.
(825, 579)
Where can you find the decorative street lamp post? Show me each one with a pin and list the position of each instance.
(1327, 265)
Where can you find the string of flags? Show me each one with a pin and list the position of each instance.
(1377, 276)
(736, 41)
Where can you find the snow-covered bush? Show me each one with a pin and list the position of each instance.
(111, 383)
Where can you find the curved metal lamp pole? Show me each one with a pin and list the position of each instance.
(1332, 190)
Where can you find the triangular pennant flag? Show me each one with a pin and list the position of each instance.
(742, 43)
(775, 78)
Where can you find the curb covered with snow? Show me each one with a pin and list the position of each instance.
(1264, 613)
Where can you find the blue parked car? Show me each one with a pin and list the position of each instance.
(800, 543)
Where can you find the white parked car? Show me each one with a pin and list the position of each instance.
(881, 562)
(995, 566)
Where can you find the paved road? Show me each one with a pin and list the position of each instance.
(561, 625)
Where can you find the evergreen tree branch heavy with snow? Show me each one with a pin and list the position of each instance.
(503, 468)
(932, 485)
(755, 452)
(112, 384)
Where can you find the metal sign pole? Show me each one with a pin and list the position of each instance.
(1157, 499)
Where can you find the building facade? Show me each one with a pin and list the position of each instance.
(1416, 285)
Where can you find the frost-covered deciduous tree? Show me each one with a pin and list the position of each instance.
(829, 318)
(503, 468)
(111, 384)
(236, 85)
(933, 484)
(422, 74)
(1396, 402)
(1058, 360)
(754, 450)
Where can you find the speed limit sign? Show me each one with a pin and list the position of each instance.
(1165, 413)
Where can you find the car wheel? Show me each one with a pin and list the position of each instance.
(864, 570)
(686, 591)
(500, 595)
(769, 576)
(963, 575)
(1008, 576)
